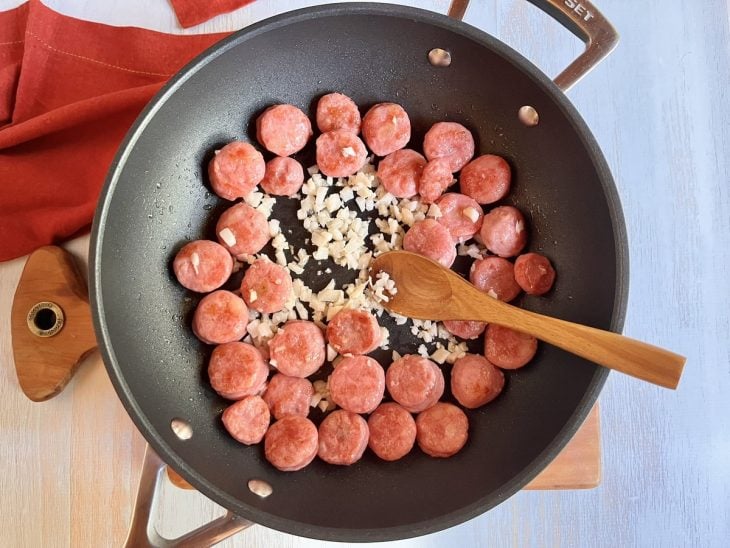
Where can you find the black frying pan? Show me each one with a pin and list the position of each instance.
(156, 198)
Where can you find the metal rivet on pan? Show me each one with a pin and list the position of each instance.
(260, 488)
(45, 319)
(182, 429)
(439, 57)
(528, 116)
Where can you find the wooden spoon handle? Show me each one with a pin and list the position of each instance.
(51, 323)
(608, 349)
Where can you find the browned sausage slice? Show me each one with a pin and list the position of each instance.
(340, 153)
(534, 273)
(236, 370)
(284, 177)
(461, 215)
(357, 384)
(432, 240)
(400, 171)
(242, 230)
(283, 129)
(247, 420)
(486, 178)
(415, 382)
(504, 231)
(202, 266)
(507, 348)
(343, 437)
(386, 128)
(451, 141)
(288, 396)
(297, 349)
(442, 430)
(235, 170)
(352, 332)
(291, 443)
(392, 431)
(475, 381)
(337, 111)
(436, 177)
(220, 317)
(465, 329)
(495, 276)
(266, 286)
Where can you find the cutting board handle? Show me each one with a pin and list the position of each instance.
(51, 324)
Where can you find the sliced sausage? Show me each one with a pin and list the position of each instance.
(507, 348)
(392, 431)
(465, 329)
(357, 384)
(202, 266)
(288, 396)
(284, 176)
(337, 111)
(266, 286)
(283, 129)
(436, 177)
(236, 370)
(504, 231)
(297, 349)
(442, 430)
(450, 141)
(400, 171)
(340, 153)
(461, 215)
(496, 277)
(235, 170)
(534, 273)
(352, 332)
(291, 443)
(486, 178)
(475, 381)
(415, 382)
(247, 420)
(220, 317)
(432, 240)
(343, 437)
(386, 128)
(242, 230)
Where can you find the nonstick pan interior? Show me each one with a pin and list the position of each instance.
(156, 198)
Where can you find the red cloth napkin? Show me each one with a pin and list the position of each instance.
(69, 91)
(194, 12)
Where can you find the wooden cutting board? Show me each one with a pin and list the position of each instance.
(44, 364)
(578, 465)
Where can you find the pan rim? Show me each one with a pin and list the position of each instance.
(168, 454)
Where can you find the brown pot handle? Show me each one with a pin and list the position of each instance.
(581, 18)
(142, 530)
(51, 324)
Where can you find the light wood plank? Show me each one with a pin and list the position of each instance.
(578, 465)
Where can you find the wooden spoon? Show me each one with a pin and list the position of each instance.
(428, 291)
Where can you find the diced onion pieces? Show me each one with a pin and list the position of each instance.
(228, 237)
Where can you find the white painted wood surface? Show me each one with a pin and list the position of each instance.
(659, 109)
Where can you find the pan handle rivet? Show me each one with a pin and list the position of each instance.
(45, 319)
(439, 57)
(260, 488)
(528, 116)
(182, 429)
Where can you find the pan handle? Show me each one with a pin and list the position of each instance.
(142, 531)
(581, 18)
